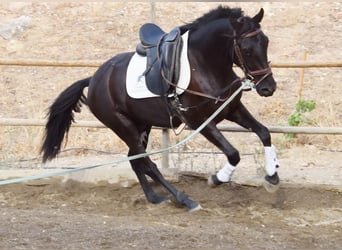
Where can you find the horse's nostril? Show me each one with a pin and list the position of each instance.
(266, 92)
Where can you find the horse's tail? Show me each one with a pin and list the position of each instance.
(60, 116)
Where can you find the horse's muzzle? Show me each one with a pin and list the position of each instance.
(266, 92)
(267, 87)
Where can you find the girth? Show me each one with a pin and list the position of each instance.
(163, 51)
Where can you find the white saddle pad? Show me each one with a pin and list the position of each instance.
(135, 81)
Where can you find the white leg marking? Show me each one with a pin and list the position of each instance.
(271, 160)
(225, 174)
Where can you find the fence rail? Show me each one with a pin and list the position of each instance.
(95, 63)
(165, 132)
(225, 128)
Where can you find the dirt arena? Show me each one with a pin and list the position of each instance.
(70, 215)
(78, 216)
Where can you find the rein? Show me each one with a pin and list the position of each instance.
(193, 92)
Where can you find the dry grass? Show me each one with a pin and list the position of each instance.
(99, 30)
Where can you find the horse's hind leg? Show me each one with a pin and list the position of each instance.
(151, 196)
(155, 174)
(242, 117)
(136, 140)
(144, 166)
(140, 166)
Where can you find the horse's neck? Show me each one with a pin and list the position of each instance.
(212, 50)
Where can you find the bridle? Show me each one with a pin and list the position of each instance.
(249, 74)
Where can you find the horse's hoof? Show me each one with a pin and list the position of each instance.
(195, 208)
(158, 199)
(271, 183)
(213, 181)
(192, 206)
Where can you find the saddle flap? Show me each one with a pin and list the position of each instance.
(136, 80)
(150, 34)
(162, 51)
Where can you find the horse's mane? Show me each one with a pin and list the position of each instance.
(218, 13)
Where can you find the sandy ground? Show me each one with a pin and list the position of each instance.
(79, 216)
(71, 215)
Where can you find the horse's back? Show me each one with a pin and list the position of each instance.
(107, 94)
(115, 67)
(109, 75)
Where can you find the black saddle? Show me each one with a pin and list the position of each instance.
(163, 51)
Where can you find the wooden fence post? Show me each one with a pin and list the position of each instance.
(301, 78)
(165, 131)
(153, 11)
(165, 144)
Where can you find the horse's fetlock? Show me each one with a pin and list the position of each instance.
(234, 158)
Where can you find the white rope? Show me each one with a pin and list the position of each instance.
(133, 157)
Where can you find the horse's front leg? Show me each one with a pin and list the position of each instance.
(215, 136)
(242, 117)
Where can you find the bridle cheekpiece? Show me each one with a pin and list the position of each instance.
(249, 74)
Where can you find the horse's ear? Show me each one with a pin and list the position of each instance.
(258, 17)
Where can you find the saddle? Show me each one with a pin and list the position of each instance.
(163, 52)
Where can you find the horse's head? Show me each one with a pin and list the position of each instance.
(250, 47)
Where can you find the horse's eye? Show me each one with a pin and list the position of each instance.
(247, 52)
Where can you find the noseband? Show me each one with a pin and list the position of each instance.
(249, 74)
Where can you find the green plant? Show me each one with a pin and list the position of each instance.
(298, 117)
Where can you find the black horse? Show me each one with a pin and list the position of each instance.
(217, 40)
